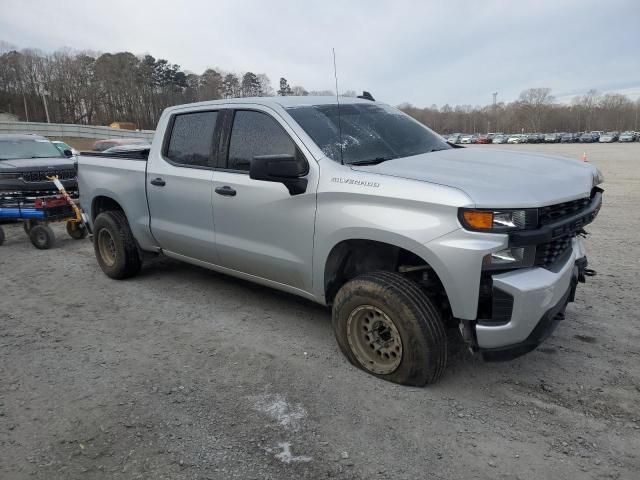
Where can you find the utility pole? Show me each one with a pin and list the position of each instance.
(46, 110)
(26, 112)
(495, 108)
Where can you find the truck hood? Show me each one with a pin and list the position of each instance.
(24, 164)
(496, 178)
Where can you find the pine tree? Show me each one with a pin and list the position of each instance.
(285, 89)
(251, 86)
(230, 86)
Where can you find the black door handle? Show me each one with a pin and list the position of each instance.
(158, 182)
(227, 191)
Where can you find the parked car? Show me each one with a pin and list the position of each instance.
(534, 138)
(290, 206)
(500, 139)
(552, 138)
(62, 146)
(467, 139)
(102, 145)
(608, 137)
(136, 147)
(454, 138)
(589, 137)
(484, 139)
(569, 138)
(517, 139)
(596, 134)
(27, 160)
(627, 137)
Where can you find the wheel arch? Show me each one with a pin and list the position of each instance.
(104, 203)
(360, 254)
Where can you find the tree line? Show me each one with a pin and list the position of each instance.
(97, 89)
(535, 110)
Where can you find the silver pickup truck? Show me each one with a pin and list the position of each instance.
(357, 206)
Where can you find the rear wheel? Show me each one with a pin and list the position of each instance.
(114, 246)
(42, 237)
(2, 235)
(387, 326)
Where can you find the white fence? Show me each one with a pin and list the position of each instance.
(70, 130)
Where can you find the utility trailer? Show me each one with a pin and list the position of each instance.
(38, 211)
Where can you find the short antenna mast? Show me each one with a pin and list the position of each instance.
(335, 75)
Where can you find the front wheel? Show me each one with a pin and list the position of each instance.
(114, 246)
(387, 326)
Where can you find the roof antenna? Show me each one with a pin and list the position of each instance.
(335, 74)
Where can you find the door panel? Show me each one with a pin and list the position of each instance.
(263, 230)
(181, 211)
(179, 186)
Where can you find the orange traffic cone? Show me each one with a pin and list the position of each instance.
(584, 157)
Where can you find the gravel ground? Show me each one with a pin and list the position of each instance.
(182, 373)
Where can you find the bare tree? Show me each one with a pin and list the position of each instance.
(535, 103)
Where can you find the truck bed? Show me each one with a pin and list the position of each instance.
(121, 178)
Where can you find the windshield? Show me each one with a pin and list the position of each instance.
(27, 148)
(370, 132)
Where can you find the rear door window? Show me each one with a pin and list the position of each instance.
(191, 140)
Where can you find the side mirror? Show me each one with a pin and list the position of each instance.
(68, 153)
(285, 169)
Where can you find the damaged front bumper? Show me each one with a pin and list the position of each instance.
(528, 305)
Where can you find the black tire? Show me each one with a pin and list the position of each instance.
(27, 225)
(2, 235)
(114, 246)
(420, 326)
(42, 237)
(76, 230)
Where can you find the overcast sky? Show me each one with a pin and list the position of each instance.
(421, 52)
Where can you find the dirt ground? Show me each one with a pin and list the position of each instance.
(182, 373)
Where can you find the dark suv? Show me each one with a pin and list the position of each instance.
(27, 160)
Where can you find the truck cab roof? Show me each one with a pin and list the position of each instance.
(283, 102)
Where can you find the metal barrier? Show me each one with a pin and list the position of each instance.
(71, 130)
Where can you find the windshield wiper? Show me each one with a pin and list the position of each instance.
(372, 161)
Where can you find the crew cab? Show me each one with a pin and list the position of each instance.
(27, 160)
(357, 206)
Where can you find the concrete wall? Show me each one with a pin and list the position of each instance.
(70, 130)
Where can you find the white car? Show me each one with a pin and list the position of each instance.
(516, 139)
(467, 139)
(65, 146)
(608, 137)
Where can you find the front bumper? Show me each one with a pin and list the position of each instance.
(538, 298)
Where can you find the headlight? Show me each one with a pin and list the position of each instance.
(598, 178)
(497, 221)
(515, 257)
